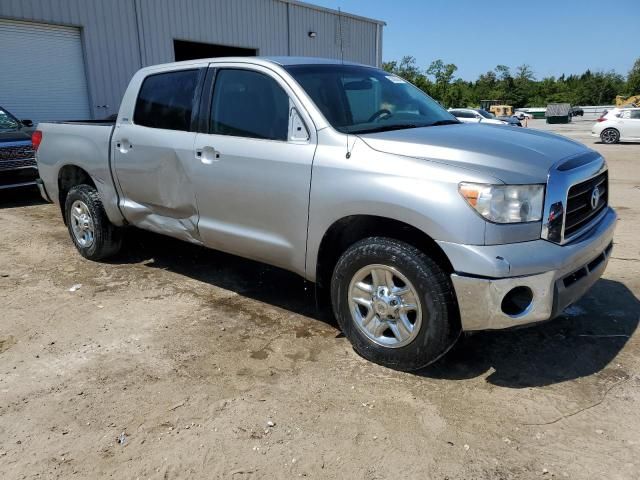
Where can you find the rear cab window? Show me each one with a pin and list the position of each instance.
(167, 100)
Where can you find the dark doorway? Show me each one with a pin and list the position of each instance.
(184, 50)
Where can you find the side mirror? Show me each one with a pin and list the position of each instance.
(27, 123)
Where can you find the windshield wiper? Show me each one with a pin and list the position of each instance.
(388, 128)
(443, 122)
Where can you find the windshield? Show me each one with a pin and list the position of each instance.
(485, 114)
(357, 99)
(7, 122)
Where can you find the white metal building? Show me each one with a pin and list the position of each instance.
(72, 59)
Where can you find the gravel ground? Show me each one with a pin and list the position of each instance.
(178, 362)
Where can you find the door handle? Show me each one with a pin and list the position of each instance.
(207, 155)
(124, 146)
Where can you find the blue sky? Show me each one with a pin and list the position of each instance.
(553, 36)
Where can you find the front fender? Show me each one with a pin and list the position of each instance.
(419, 193)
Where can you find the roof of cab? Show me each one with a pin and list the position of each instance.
(288, 61)
(280, 61)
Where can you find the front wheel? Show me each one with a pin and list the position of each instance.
(394, 303)
(92, 233)
(610, 135)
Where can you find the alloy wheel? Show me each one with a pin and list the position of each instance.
(82, 224)
(385, 306)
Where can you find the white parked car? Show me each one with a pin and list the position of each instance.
(618, 125)
(609, 113)
(473, 115)
(522, 115)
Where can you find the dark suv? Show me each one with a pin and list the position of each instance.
(17, 158)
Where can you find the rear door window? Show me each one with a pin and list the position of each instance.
(249, 104)
(166, 100)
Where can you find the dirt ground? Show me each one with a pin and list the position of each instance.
(178, 362)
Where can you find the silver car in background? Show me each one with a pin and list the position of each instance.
(418, 225)
(476, 115)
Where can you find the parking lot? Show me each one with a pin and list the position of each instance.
(178, 362)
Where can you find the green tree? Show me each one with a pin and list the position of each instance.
(443, 75)
(633, 79)
(503, 72)
(521, 88)
(407, 68)
(523, 85)
(485, 87)
(524, 73)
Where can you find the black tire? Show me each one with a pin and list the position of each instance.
(610, 136)
(440, 324)
(107, 238)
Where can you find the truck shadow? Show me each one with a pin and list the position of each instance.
(254, 280)
(580, 343)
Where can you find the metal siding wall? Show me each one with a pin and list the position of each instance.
(111, 39)
(108, 36)
(305, 20)
(359, 36)
(255, 24)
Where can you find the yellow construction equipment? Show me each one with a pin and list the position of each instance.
(501, 110)
(632, 101)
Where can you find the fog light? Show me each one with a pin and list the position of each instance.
(517, 301)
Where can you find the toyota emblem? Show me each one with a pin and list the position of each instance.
(595, 198)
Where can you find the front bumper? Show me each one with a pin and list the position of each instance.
(556, 276)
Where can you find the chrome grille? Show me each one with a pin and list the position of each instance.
(582, 206)
(15, 164)
(16, 156)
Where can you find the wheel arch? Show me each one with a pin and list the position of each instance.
(69, 176)
(350, 229)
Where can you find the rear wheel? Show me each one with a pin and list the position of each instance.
(92, 233)
(394, 303)
(610, 135)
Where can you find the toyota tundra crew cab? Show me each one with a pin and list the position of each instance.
(419, 226)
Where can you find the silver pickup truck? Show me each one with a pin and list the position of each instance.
(419, 226)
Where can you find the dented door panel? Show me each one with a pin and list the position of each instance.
(154, 169)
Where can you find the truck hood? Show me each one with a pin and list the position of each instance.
(512, 155)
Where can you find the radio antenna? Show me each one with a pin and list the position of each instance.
(341, 39)
(342, 61)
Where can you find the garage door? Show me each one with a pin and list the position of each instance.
(42, 73)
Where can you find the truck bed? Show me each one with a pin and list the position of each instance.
(78, 146)
(82, 122)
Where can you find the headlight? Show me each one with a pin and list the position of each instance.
(505, 203)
